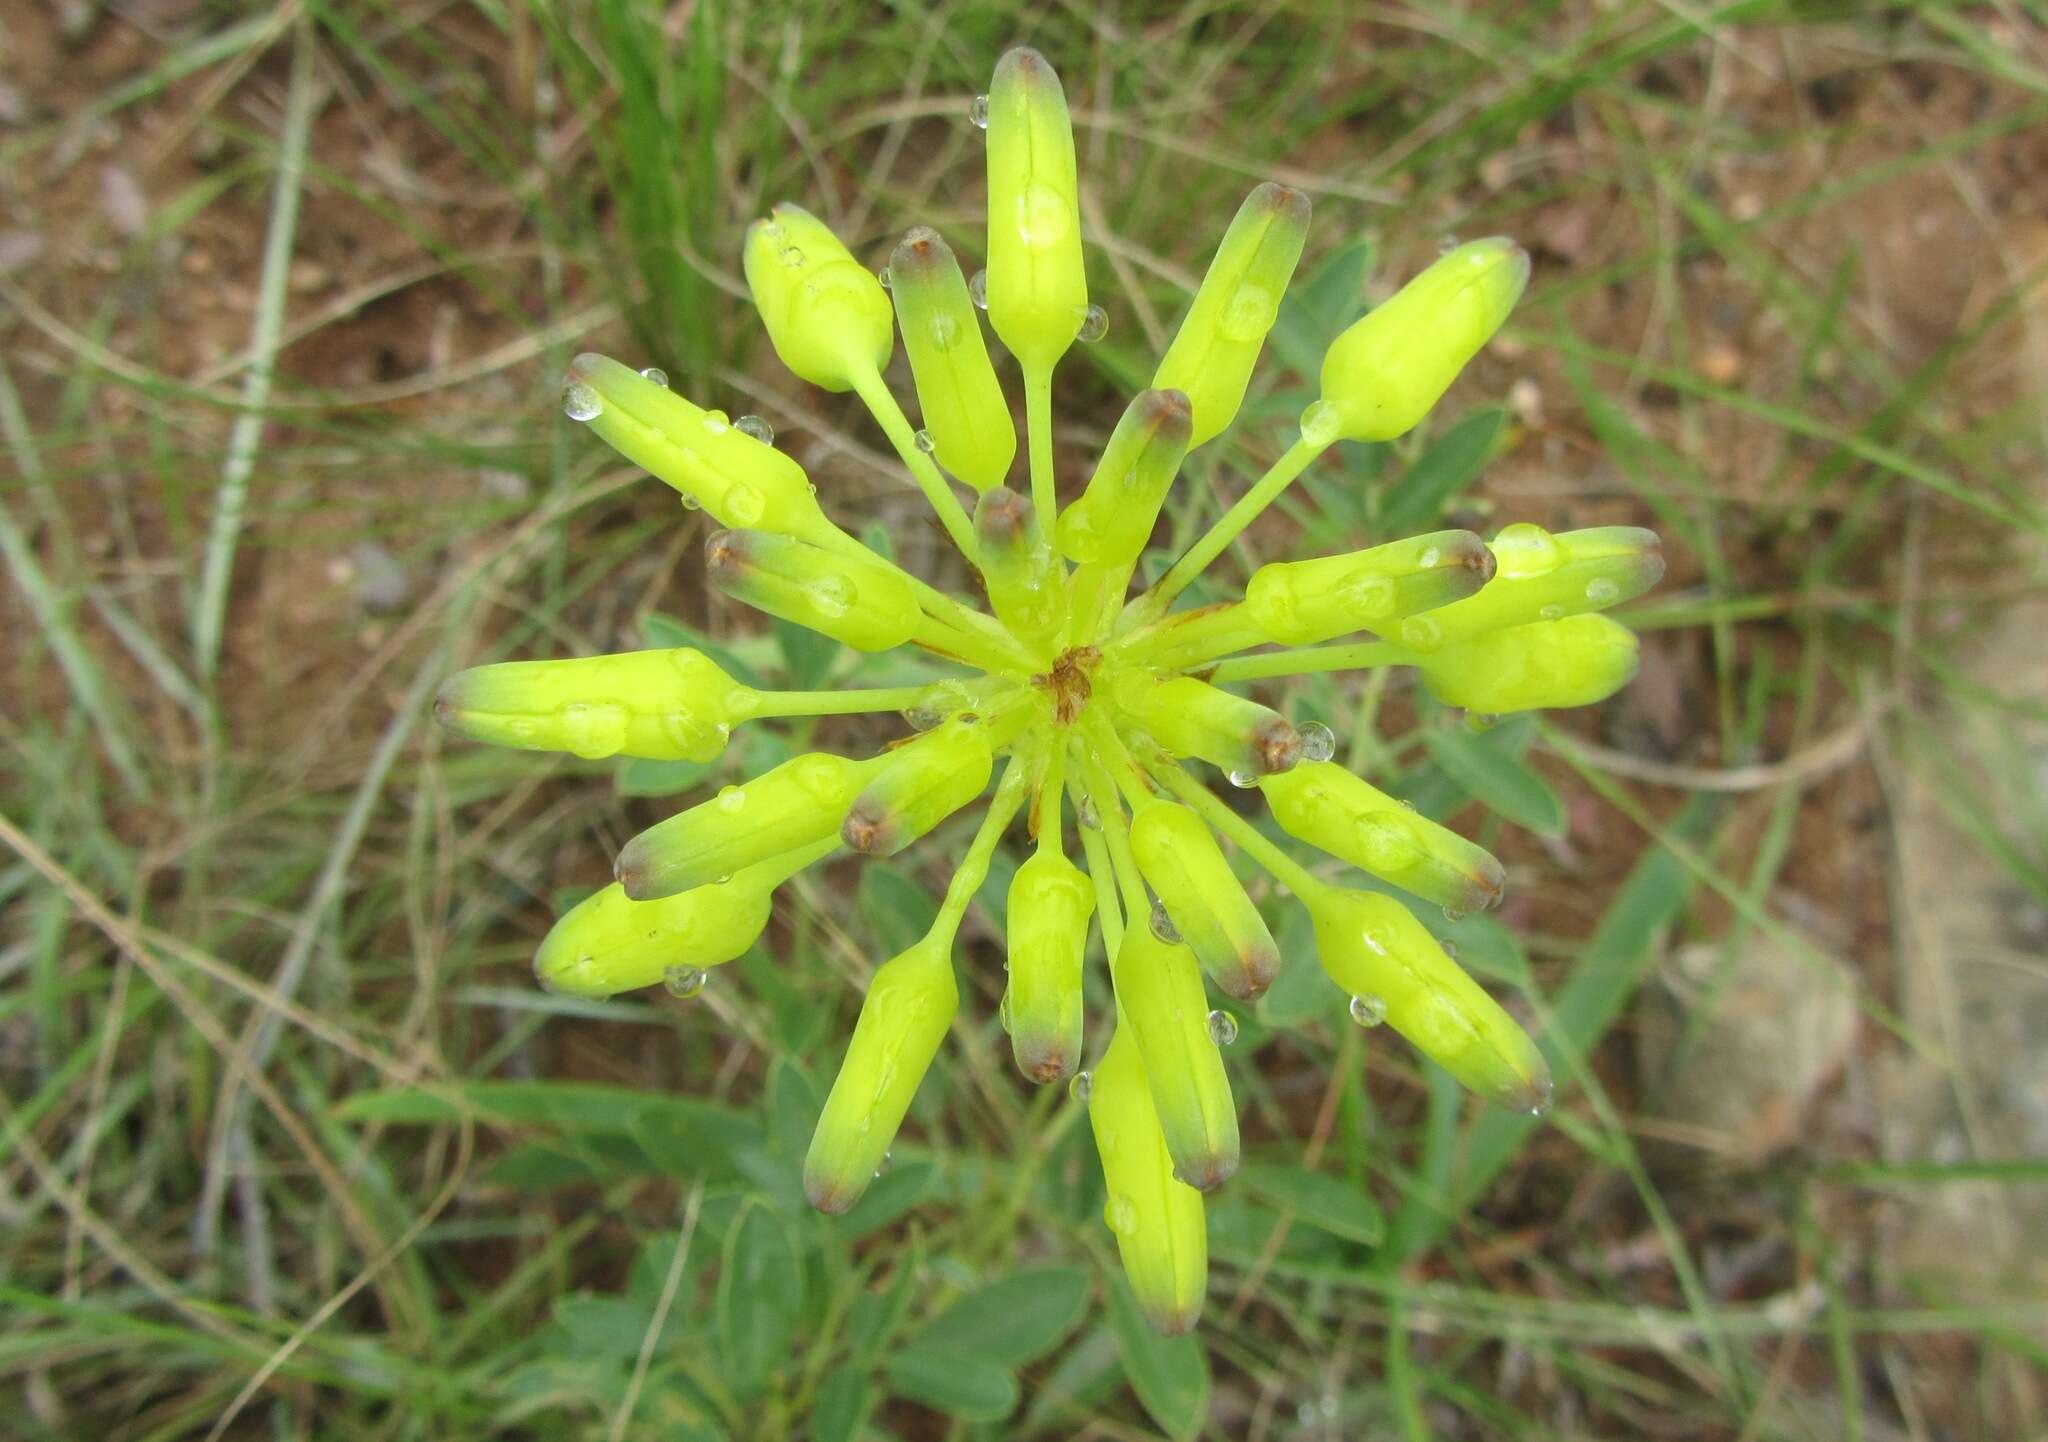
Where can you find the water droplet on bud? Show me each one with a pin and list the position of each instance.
(1446, 244)
(684, 981)
(732, 800)
(716, 422)
(1222, 1028)
(885, 278)
(1602, 592)
(580, 402)
(1162, 924)
(1244, 780)
(1318, 742)
(1319, 424)
(1542, 1097)
(977, 112)
(1453, 914)
(1552, 612)
(888, 1160)
(655, 374)
(1085, 810)
(1368, 1010)
(1094, 324)
(792, 257)
(924, 442)
(977, 289)
(1080, 1087)
(1003, 1011)
(754, 428)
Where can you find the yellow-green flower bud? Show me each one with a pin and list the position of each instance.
(1373, 947)
(1037, 284)
(909, 1005)
(856, 601)
(957, 393)
(1050, 903)
(1327, 807)
(737, 479)
(609, 943)
(1213, 352)
(1159, 995)
(1189, 717)
(918, 785)
(1540, 576)
(1385, 373)
(1540, 666)
(1024, 581)
(673, 705)
(1111, 522)
(1207, 904)
(827, 316)
(1162, 1236)
(799, 803)
(1303, 602)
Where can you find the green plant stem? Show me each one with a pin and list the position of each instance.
(948, 609)
(1038, 441)
(1303, 660)
(973, 868)
(835, 703)
(1109, 914)
(881, 403)
(935, 635)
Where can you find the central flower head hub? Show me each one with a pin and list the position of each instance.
(1069, 683)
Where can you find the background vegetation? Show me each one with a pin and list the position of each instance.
(289, 1144)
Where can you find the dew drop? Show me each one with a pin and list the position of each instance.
(721, 880)
(1162, 924)
(1368, 1010)
(1319, 424)
(1552, 612)
(1003, 1011)
(684, 981)
(882, 1167)
(580, 402)
(1445, 244)
(743, 506)
(691, 503)
(977, 289)
(923, 718)
(1602, 592)
(1081, 1086)
(945, 330)
(977, 112)
(1453, 914)
(1450, 947)
(1043, 216)
(1084, 809)
(1122, 1215)
(1524, 550)
(924, 442)
(732, 800)
(655, 374)
(1244, 780)
(1422, 633)
(885, 277)
(832, 595)
(1249, 315)
(1318, 742)
(754, 428)
(1094, 324)
(1542, 1097)
(792, 257)
(1222, 1028)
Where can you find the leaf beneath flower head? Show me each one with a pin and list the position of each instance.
(1450, 464)
(960, 1383)
(1494, 776)
(1315, 311)
(1168, 1373)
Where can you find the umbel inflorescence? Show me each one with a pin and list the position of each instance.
(1075, 697)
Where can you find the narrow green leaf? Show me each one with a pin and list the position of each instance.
(958, 1383)
(1330, 1203)
(1169, 1374)
(1316, 310)
(1451, 463)
(896, 908)
(1013, 1321)
(1491, 775)
(760, 1296)
(647, 776)
(845, 1397)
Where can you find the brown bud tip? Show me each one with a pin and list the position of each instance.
(1173, 1321)
(1001, 517)
(866, 830)
(446, 708)
(921, 249)
(828, 1196)
(1276, 745)
(1167, 412)
(1283, 200)
(1475, 556)
(1027, 64)
(1206, 1174)
(725, 552)
(1487, 885)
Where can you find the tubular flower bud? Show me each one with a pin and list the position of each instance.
(1545, 664)
(1111, 522)
(737, 479)
(1373, 947)
(1049, 906)
(609, 943)
(1161, 1233)
(1302, 602)
(1383, 374)
(856, 601)
(827, 316)
(1037, 285)
(673, 705)
(918, 785)
(1218, 342)
(1018, 566)
(1207, 904)
(1159, 996)
(957, 392)
(799, 803)
(909, 1005)
(1190, 717)
(1327, 807)
(1540, 576)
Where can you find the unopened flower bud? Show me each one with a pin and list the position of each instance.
(1385, 373)
(670, 705)
(1213, 352)
(1190, 717)
(1023, 577)
(1037, 284)
(910, 1004)
(827, 316)
(1159, 995)
(1049, 906)
(854, 600)
(1328, 807)
(1303, 602)
(957, 392)
(1540, 576)
(1158, 1221)
(1179, 858)
(799, 803)
(608, 943)
(1541, 666)
(1373, 947)
(920, 784)
(1111, 522)
(714, 464)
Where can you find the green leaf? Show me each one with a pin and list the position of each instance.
(1302, 992)
(760, 1296)
(1316, 310)
(665, 632)
(647, 776)
(845, 1397)
(807, 654)
(1330, 1203)
(1168, 1373)
(1452, 462)
(602, 1326)
(958, 1383)
(1490, 774)
(896, 908)
(1016, 1320)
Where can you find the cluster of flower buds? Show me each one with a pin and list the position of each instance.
(1087, 704)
